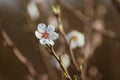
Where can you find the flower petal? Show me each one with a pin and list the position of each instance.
(43, 41)
(81, 41)
(73, 44)
(50, 28)
(38, 35)
(41, 27)
(49, 41)
(53, 36)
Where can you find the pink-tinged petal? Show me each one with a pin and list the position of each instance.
(38, 35)
(41, 27)
(49, 41)
(53, 36)
(43, 41)
(50, 28)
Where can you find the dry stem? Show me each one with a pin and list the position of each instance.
(52, 52)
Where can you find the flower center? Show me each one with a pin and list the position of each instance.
(45, 35)
(74, 38)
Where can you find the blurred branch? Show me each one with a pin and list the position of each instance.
(17, 53)
(75, 12)
(108, 33)
(89, 13)
(82, 17)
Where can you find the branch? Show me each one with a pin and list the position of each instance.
(18, 54)
(52, 52)
(79, 15)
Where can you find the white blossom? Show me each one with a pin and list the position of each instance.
(46, 35)
(76, 39)
(32, 10)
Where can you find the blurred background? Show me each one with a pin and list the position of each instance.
(19, 20)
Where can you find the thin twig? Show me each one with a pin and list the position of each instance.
(75, 12)
(18, 54)
(50, 68)
(67, 75)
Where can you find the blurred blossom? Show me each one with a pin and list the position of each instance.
(52, 20)
(65, 61)
(76, 39)
(46, 35)
(32, 10)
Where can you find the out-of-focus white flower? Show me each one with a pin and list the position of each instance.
(65, 61)
(46, 35)
(33, 11)
(76, 39)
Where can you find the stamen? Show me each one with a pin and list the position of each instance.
(45, 35)
(74, 38)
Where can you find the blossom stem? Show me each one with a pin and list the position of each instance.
(67, 75)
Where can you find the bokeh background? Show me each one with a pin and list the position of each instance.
(18, 24)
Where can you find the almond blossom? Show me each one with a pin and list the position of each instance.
(46, 35)
(76, 39)
(33, 11)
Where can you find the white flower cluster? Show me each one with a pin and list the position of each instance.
(46, 34)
